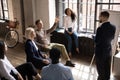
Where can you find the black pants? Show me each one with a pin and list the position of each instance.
(26, 70)
(103, 64)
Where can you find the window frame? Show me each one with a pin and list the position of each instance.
(96, 2)
(101, 4)
(4, 10)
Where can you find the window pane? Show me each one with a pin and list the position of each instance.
(1, 13)
(103, 1)
(116, 1)
(5, 4)
(86, 22)
(107, 1)
(72, 1)
(115, 7)
(6, 14)
(82, 17)
(105, 6)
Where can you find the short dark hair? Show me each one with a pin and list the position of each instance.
(37, 21)
(105, 14)
(2, 49)
(55, 54)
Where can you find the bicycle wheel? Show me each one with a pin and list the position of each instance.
(12, 38)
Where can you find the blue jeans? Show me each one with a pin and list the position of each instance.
(69, 39)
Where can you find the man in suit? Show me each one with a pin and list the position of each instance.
(105, 34)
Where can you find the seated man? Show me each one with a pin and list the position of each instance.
(44, 44)
(56, 70)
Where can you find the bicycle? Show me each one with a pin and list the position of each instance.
(12, 36)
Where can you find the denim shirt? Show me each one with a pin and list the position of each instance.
(56, 72)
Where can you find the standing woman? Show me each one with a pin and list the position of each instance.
(9, 72)
(69, 24)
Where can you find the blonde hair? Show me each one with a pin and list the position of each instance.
(28, 32)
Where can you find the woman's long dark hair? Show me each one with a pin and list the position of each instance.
(2, 49)
(73, 16)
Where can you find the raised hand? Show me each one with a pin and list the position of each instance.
(56, 19)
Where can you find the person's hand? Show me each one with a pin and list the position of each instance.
(44, 46)
(38, 77)
(56, 20)
(70, 32)
(19, 76)
(45, 55)
(46, 61)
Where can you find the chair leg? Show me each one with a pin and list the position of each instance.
(92, 60)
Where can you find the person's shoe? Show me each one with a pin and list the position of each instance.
(69, 63)
(70, 54)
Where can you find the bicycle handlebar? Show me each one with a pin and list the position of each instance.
(12, 24)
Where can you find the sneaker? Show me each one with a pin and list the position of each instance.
(69, 63)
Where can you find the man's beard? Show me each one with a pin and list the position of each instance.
(100, 21)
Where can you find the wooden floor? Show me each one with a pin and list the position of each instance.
(81, 71)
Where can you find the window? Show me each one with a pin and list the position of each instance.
(3, 10)
(86, 15)
(106, 4)
(63, 4)
(87, 12)
(84, 9)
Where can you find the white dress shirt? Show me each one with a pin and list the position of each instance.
(5, 69)
(68, 23)
(35, 45)
(56, 72)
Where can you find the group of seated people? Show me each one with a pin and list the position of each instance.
(36, 42)
(9, 72)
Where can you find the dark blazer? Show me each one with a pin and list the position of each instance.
(33, 55)
(105, 34)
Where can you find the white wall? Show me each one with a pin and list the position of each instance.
(42, 11)
(45, 10)
(115, 20)
(10, 10)
(29, 12)
(16, 12)
(51, 12)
